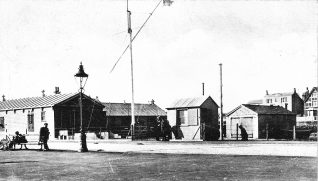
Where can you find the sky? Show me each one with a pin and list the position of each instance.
(262, 46)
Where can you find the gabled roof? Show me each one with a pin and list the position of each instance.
(310, 93)
(34, 102)
(189, 102)
(264, 109)
(124, 109)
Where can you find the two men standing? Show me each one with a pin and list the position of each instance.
(44, 136)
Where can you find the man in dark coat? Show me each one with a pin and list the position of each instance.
(158, 128)
(44, 136)
(166, 130)
(243, 133)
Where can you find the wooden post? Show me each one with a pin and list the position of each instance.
(236, 131)
(266, 131)
(294, 133)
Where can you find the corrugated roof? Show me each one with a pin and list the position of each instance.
(32, 102)
(262, 109)
(189, 102)
(124, 109)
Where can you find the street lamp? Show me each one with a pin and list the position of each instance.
(81, 74)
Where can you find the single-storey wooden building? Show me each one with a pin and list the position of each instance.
(197, 118)
(60, 111)
(260, 122)
(118, 117)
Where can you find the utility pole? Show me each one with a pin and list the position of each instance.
(221, 85)
(132, 129)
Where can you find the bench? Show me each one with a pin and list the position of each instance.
(32, 140)
(239, 136)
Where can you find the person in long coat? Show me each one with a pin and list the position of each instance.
(243, 133)
(166, 130)
(44, 135)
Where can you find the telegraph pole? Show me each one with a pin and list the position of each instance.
(132, 129)
(221, 85)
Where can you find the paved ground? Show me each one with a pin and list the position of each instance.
(70, 165)
(274, 148)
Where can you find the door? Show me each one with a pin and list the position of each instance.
(31, 122)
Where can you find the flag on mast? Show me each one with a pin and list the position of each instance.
(167, 2)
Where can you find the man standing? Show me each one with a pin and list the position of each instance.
(44, 136)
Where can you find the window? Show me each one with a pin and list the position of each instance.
(269, 100)
(30, 122)
(182, 117)
(314, 103)
(2, 124)
(42, 115)
(193, 117)
(283, 99)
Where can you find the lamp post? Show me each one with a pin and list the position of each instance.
(81, 74)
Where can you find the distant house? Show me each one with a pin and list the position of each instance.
(311, 105)
(310, 117)
(260, 121)
(60, 111)
(197, 117)
(118, 117)
(289, 100)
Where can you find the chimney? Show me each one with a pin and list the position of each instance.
(266, 92)
(152, 102)
(43, 93)
(294, 90)
(203, 88)
(3, 98)
(57, 90)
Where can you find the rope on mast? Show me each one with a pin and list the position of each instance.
(150, 14)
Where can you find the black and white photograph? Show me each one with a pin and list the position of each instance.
(158, 90)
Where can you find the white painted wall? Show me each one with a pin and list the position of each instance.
(18, 121)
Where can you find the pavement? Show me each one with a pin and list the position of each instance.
(268, 148)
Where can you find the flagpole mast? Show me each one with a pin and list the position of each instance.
(221, 99)
(132, 75)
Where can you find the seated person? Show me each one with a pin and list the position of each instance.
(18, 138)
